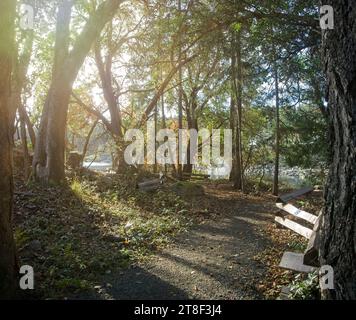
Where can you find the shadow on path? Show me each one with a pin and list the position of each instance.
(214, 260)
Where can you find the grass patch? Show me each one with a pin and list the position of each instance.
(95, 225)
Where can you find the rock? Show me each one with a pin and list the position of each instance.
(35, 245)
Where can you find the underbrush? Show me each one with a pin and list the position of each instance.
(94, 225)
(256, 184)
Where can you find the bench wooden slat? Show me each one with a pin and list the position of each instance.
(297, 212)
(294, 261)
(311, 254)
(296, 227)
(150, 185)
(293, 195)
(196, 176)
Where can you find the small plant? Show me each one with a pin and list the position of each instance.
(297, 246)
(305, 289)
(21, 238)
(77, 188)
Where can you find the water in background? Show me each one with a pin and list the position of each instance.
(98, 165)
(295, 177)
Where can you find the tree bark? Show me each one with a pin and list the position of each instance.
(29, 125)
(239, 112)
(275, 190)
(233, 130)
(236, 112)
(48, 163)
(106, 78)
(87, 140)
(26, 155)
(161, 89)
(109, 95)
(20, 68)
(180, 95)
(50, 148)
(8, 264)
(192, 121)
(338, 231)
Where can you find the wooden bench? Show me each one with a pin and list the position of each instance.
(195, 176)
(294, 195)
(307, 262)
(152, 184)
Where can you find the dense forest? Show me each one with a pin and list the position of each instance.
(82, 82)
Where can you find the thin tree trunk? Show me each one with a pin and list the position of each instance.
(163, 113)
(8, 263)
(109, 95)
(233, 129)
(338, 244)
(26, 156)
(275, 190)
(155, 167)
(164, 125)
(239, 113)
(236, 105)
(29, 125)
(87, 140)
(192, 124)
(180, 96)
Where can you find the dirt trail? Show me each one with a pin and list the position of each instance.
(214, 260)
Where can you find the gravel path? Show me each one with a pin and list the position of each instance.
(214, 260)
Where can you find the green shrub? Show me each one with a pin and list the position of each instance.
(305, 289)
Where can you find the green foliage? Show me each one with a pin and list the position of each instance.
(305, 137)
(305, 289)
(297, 246)
(21, 237)
(237, 26)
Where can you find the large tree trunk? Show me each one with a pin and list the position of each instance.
(49, 156)
(8, 265)
(49, 147)
(338, 247)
